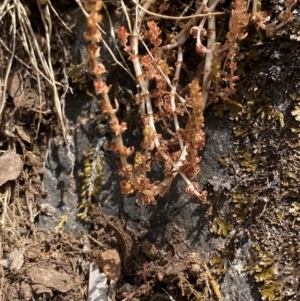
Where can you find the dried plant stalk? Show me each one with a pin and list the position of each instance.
(172, 121)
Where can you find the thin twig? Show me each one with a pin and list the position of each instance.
(173, 17)
(35, 69)
(95, 241)
(57, 15)
(9, 64)
(209, 56)
(46, 18)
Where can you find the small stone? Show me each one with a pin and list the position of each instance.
(110, 264)
(125, 288)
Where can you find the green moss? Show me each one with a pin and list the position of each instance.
(62, 220)
(220, 227)
(92, 176)
(265, 161)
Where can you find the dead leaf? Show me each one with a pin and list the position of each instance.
(150, 250)
(35, 162)
(86, 244)
(26, 291)
(50, 279)
(14, 261)
(11, 166)
(14, 87)
(40, 289)
(48, 209)
(22, 134)
(27, 100)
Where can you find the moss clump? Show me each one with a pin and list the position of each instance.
(264, 199)
(92, 175)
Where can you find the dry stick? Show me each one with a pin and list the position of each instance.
(40, 103)
(4, 8)
(34, 68)
(5, 205)
(69, 139)
(32, 57)
(175, 18)
(95, 240)
(182, 36)
(29, 202)
(172, 99)
(198, 39)
(28, 31)
(8, 68)
(46, 18)
(30, 52)
(135, 59)
(146, 107)
(207, 50)
(26, 28)
(126, 15)
(4, 228)
(201, 25)
(187, 7)
(112, 34)
(57, 15)
(211, 40)
(254, 7)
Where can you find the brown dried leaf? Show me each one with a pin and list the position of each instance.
(27, 100)
(26, 291)
(50, 279)
(150, 250)
(14, 87)
(14, 261)
(17, 260)
(11, 166)
(22, 134)
(40, 289)
(48, 209)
